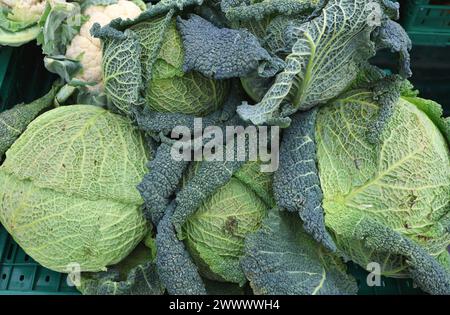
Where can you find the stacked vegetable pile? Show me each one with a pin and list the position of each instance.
(364, 169)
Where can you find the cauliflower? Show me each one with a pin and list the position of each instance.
(87, 49)
(25, 10)
(19, 21)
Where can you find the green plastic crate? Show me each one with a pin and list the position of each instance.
(427, 22)
(20, 274)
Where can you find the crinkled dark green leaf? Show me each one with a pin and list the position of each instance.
(296, 184)
(160, 183)
(392, 36)
(281, 258)
(175, 268)
(243, 10)
(135, 275)
(219, 53)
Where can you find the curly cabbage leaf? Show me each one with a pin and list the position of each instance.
(75, 170)
(158, 186)
(13, 122)
(219, 53)
(175, 268)
(326, 57)
(135, 275)
(122, 70)
(244, 10)
(296, 183)
(392, 36)
(280, 258)
(387, 201)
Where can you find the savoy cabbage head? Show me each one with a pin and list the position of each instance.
(143, 65)
(68, 188)
(374, 168)
(214, 234)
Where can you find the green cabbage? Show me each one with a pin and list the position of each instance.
(401, 182)
(369, 174)
(215, 233)
(67, 188)
(143, 65)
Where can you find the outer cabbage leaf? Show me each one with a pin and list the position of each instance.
(122, 68)
(219, 53)
(175, 268)
(59, 23)
(155, 10)
(159, 40)
(244, 10)
(327, 55)
(387, 201)
(391, 35)
(135, 275)
(280, 258)
(14, 121)
(296, 183)
(158, 186)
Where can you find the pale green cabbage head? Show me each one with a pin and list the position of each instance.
(169, 89)
(400, 182)
(67, 188)
(215, 233)
(145, 67)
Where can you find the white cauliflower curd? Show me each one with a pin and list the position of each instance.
(87, 49)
